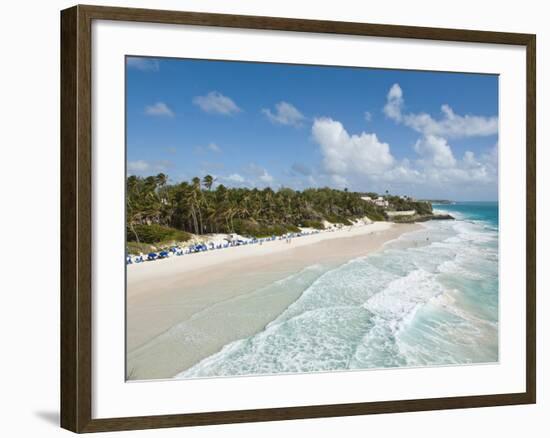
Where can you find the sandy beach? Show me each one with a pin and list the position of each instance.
(183, 309)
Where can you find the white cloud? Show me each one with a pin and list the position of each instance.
(159, 109)
(214, 147)
(470, 159)
(236, 180)
(468, 171)
(437, 170)
(210, 147)
(472, 173)
(342, 153)
(436, 150)
(251, 175)
(233, 180)
(368, 116)
(363, 162)
(285, 114)
(394, 103)
(138, 166)
(216, 103)
(450, 125)
(235, 177)
(143, 64)
(492, 155)
(142, 167)
(259, 173)
(266, 178)
(339, 181)
(403, 173)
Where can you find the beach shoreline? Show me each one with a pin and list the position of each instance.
(183, 309)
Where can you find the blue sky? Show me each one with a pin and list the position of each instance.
(424, 134)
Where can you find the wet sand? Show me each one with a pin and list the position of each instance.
(183, 309)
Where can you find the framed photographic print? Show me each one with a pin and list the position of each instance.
(268, 218)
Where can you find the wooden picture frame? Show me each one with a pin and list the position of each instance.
(76, 217)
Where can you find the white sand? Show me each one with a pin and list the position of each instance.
(182, 309)
(191, 262)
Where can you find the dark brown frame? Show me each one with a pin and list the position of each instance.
(76, 174)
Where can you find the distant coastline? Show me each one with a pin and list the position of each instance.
(439, 201)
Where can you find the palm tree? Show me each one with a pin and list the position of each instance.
(198, 200)
(196, 207)
(208, 180)
(162, 179)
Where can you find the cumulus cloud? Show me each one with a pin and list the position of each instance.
(159, 109)
(469, 170)
(450, 125)
(402, 174)
(437, 168)
(449, 176)
(394, 103)
(143, 64)
(436, 150)
(284, 114)
(216, 103)
(343, 153)
(363, 162)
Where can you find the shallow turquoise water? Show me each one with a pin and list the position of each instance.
(429, 298)
(486, 212)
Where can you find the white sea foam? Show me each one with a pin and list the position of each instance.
(430, 298)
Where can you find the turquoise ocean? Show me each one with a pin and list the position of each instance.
(428, 298)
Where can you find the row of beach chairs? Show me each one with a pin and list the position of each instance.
(201, 247)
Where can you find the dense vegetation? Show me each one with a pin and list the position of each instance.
(196, 207)
(155, 233)
(421, 218)
(398, 203)
(403, 204)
